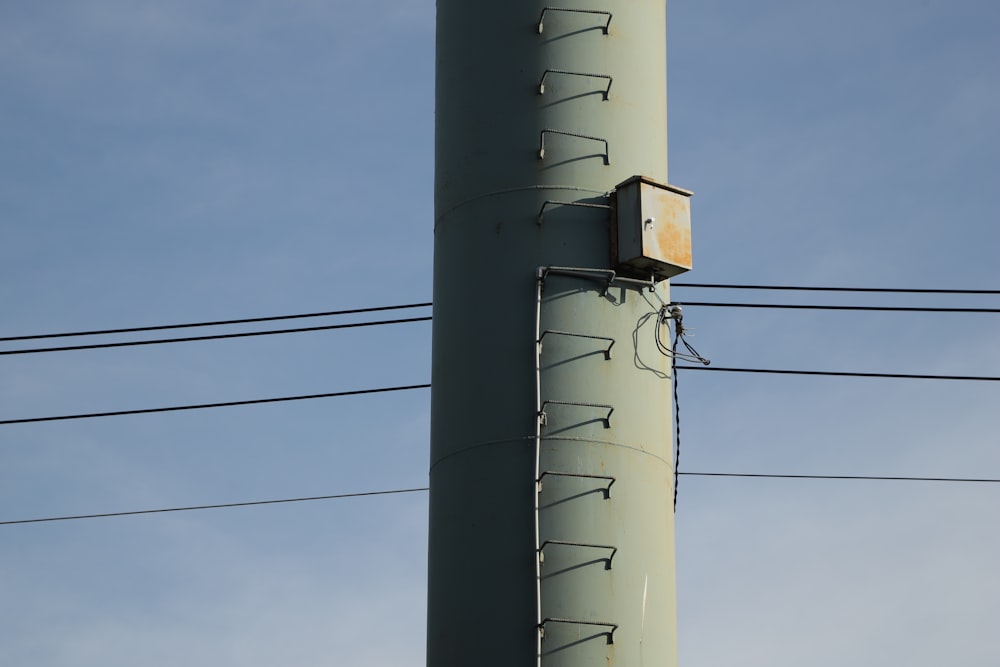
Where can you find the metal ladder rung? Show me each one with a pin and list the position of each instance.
(606, 156)
(607, 352)
(606, 93)
(570, 621)
(604, 28)
(557, 202)
(542, 416)
(586, 545)
(555, 473)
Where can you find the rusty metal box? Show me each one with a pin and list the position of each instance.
(651, 229)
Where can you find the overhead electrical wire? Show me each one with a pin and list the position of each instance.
(804, 288)
(874, 478)
(125, 330)
(188, 339)
(226, 404)
(341, 496)
(190, 508)
(903, 376)
(205, 406)
(795, 306)
(427, 318)
(372, 309)
(330, 327)
(216, 323)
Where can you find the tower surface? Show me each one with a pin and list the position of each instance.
(551, 520)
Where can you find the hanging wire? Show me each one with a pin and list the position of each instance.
(677, 418)
(674, 312)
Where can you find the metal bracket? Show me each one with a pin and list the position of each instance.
(606, 490)
(541, 142)
(602, 624)
(541, 18)
(607, 561)
(549, 202)
(606, 92)
(606, 419)
(594, 274)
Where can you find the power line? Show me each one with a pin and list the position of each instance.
(117, 413)
(203, 406)
(188, 339)
(894, 309)
(904, 376)
(330, 327)
(879, 478)
(800, 288)
(352, 311)
(187, 325)
(213, 507)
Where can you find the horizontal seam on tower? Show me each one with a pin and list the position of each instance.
(607, 442)
(479, 445)
(506, 191)
(531, 438)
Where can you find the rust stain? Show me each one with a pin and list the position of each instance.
(673, 244)
(671, 237)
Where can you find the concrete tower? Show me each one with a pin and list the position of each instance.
(551, 523)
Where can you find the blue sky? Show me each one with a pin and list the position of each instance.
(188, 161)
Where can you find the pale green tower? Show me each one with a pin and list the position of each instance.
(551, 521)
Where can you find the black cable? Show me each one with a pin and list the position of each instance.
(958, 480)
(880, 478)
(797, 288)
(330, 327)
(677, 411)
(212, 507)
(202, 406)
(333, 313)
(246, 320)
(895, 309)
(352, 311)
(188, 339)
(905, 376)
(676, 313)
